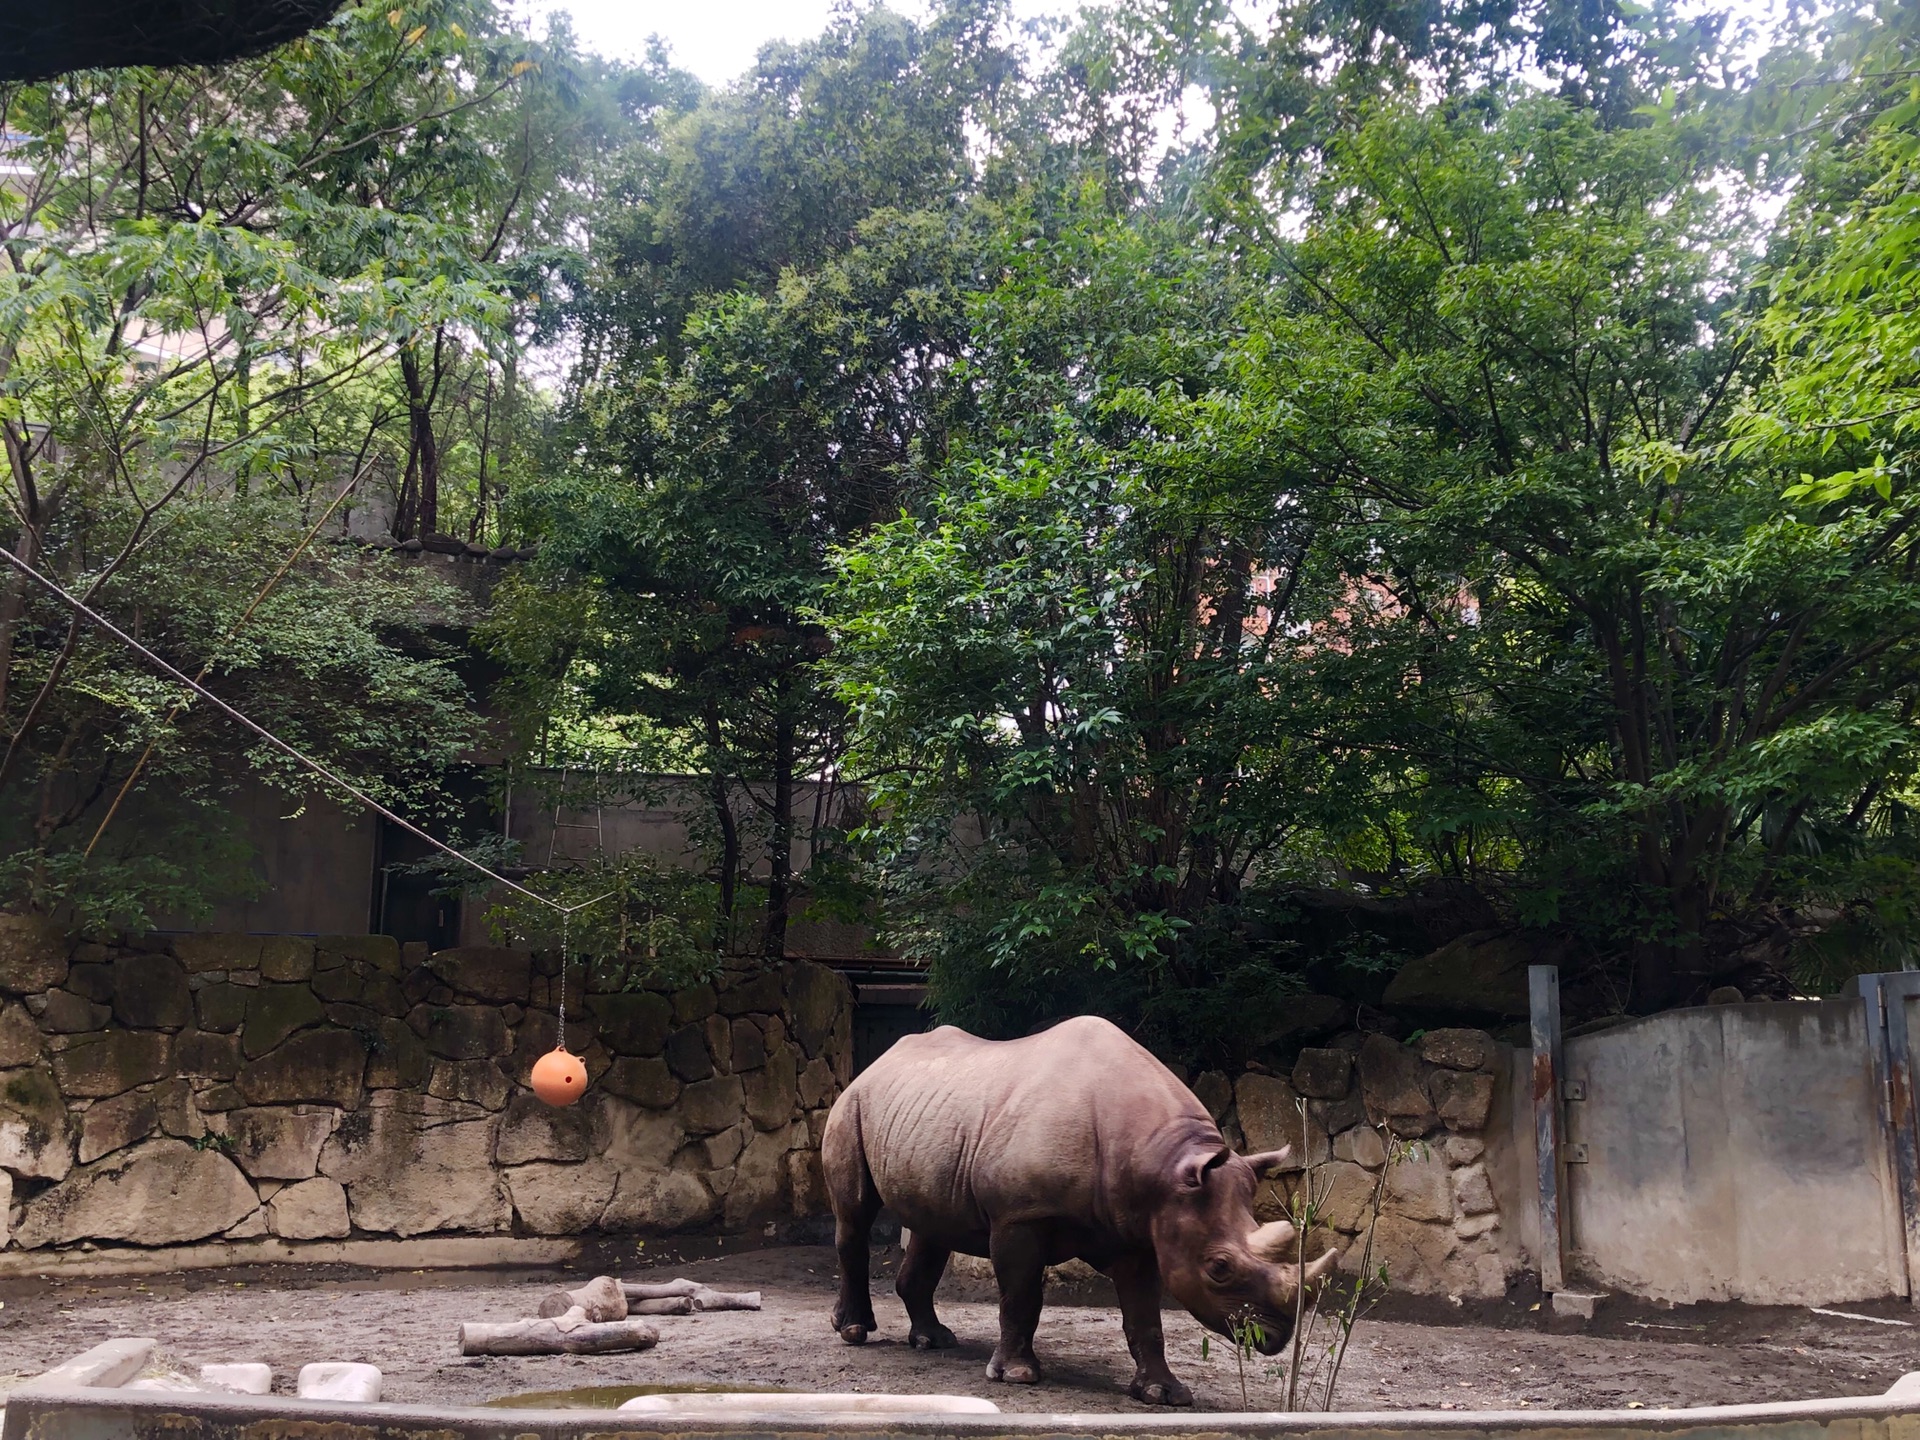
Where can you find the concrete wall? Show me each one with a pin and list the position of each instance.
(1733, 1154)
(314, 863)
(226, 1086)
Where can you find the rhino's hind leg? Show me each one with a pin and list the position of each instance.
(920, 1274)
(856, 1203)
(1020, 1268)
(1137, 1279)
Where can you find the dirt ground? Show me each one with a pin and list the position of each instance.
(1411, 1353)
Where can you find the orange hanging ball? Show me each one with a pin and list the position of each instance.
(559, 1078)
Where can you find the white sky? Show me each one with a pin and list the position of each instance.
(718, 39)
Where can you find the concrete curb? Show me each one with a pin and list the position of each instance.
(466, 1252)
(65, 1405)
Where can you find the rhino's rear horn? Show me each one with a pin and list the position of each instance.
(1272, 1240)
(1314, 1271)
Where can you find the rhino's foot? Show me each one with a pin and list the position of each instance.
(1162, 1391)
(852, 1326)
(931, 1337)
(1021, 1370)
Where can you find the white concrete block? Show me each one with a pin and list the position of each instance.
(1576, 1304)
(339, 1380)
(248, 1377)
(106, 1366)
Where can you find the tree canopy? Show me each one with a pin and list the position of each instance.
(1084, 503)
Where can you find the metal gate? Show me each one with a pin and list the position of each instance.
(1750, 1152)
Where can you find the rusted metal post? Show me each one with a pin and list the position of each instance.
(1890, 1044)
(1543, 995)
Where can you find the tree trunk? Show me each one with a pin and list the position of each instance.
(13, 588)
(718, 791)
(423, 448)
(780, 851)
(1668, 967)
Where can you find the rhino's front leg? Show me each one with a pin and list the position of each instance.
(1137, 1279)
(1020, 1269)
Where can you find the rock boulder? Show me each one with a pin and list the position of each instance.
(317, 1067)
(634, 1022)
(34, 1138)
(150, 992)
(656, 1201)
(486, 972)
(1323, 1074)
(115, 1124)
(773, 1090)
(314, 1209)
(1393, 1083)
(532, 1130)
(555, 1199)
(1269, 1110)
(1483, 972)
(276, 1011)
(413, 1164)
(164, 1192)
(1463, 1097)
(112, 1062)
(20, 1042)
(280, 1142)
(815, 996)
(33, 955)
(645, 1080)
(1457, 1049)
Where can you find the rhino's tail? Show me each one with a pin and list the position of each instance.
(843, 1161)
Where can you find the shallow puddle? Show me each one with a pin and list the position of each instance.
(612, 1397)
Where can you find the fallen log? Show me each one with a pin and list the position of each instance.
(601, 1298)
(568, 1334)
(658, 1289)
(671, 1305)
(703, 1297)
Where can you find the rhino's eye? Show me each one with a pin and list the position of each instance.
(1219, 1269)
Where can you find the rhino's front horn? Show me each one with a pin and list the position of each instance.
(1315, 1271)
(1272, 1240)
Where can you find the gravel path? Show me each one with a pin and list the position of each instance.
(1411, 1354)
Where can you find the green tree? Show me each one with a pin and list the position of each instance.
(1060, 667)
(767, 347)
(1515, 338)
(204, 276)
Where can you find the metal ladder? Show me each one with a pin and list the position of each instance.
(598, 826)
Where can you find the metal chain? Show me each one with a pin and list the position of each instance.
(560, 1041)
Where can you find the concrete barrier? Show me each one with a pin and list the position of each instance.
(55, 1407)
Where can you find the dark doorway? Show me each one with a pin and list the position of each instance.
(883, 1011)
(405, 903)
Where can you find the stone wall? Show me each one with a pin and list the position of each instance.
(1446, 1094)
(180, 1089)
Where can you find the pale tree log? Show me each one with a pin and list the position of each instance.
(601, 1298)
(704, 1297)
(568, 1334)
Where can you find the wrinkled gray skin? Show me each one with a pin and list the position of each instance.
(1073, 1143)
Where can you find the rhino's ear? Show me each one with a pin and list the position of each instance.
(1195, 1171)
(1267, 1162)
